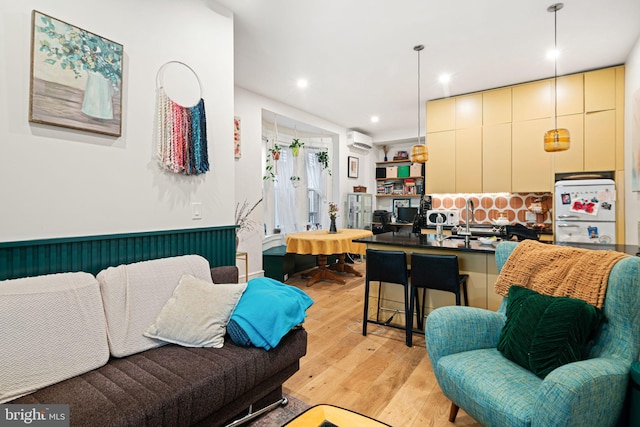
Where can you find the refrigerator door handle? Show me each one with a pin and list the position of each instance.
(567, 216)
(567, 225)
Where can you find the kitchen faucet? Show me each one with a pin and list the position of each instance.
(468, 218)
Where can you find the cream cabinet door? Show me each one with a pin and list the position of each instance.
(600, 90)
(571, 160)
(441, 167)
(570, 95)
(496, 106)
(469, 111)
(532, 101)
(531, 164)
(600, 141)
(469, 160)
(441, 115)
(496, 158)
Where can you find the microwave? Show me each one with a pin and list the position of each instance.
(449, 216)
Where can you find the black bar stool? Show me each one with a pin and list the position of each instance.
(390, 267)
(438, 272)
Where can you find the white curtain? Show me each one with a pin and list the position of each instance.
(317, 190)
(285, 193)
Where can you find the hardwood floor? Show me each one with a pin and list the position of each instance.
(376, 375)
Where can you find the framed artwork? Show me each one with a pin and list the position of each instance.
(352, 167)
(236, 138)
(76, 77)
(400, 203)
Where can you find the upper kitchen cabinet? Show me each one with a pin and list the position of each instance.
(496, 106)
(532, 101)
(468, 111)
(441, 167)
(530, 164)
(571, 160)
(600, 90)
(441, 115)
(600, 141)
(468, 165)
(496, 158)
(570, 94)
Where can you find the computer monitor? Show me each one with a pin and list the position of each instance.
(406, 214)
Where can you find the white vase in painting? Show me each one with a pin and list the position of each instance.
(98, 94)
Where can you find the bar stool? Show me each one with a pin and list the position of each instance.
(390, 267)
(439, 272)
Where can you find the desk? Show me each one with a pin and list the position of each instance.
(323, 243)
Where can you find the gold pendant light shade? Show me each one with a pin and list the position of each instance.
(556, 140)
(419, 153)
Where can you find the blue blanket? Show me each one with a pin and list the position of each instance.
(266, 312)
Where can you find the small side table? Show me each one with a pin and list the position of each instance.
(244, 256)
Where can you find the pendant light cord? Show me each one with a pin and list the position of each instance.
(555, 68)
(418, 48)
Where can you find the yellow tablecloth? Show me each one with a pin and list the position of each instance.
(321, 242)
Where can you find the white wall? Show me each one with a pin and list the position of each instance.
(248, 178)
(632, 86)
(57, 182)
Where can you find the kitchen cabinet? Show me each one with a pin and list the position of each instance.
(441, 115)
(496, 106)
(531, 165)
(468, 111)
(359, 209)
(441, 167)
(570, 94)
(496, 158)
(571, 160)
(532, 101)
(600, 90)
(600, 141)
(401, 186)
(468, 160)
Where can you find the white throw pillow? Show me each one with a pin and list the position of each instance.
(197, 313)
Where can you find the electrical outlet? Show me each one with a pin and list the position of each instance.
(196, 210)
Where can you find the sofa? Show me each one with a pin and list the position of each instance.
(479, 375)
(96, 343)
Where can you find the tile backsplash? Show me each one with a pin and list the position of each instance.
(489, 206)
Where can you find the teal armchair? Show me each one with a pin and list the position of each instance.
(475, 376)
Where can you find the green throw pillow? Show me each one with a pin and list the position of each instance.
(544, 332)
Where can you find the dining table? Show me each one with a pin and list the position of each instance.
(323, 243)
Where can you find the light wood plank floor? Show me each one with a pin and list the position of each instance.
(376, 375)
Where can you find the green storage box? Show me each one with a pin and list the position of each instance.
(403, 171)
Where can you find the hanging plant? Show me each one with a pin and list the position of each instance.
(323, 159)
(295, 146)
(273, 154)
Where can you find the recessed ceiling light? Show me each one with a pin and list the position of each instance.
(375, 119)
(444, 78)
(553, 54)
(302, 83)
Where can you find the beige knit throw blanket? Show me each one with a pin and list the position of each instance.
(558, 271)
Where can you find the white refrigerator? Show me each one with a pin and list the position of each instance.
(585, 211)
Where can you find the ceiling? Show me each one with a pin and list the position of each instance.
(358, 56)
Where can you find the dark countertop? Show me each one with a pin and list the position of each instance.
(428, 241)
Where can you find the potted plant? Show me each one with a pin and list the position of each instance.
(270, 171)
(323, 159)
(295, 146)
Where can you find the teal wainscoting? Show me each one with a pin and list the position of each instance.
(94, 253)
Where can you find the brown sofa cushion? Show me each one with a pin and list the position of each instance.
(170, 385)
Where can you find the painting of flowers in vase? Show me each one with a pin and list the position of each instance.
(76, 77)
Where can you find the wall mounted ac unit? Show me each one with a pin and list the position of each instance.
(359, 140)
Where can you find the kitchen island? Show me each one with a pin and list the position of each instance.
(475, 259)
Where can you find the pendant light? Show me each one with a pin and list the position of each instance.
(556, 139)
(419, 153)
